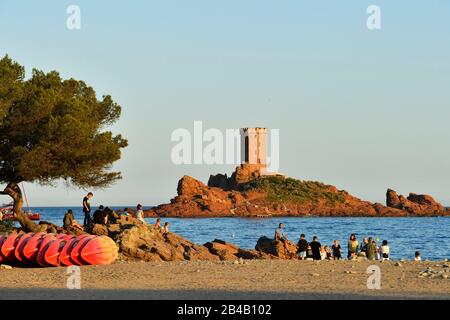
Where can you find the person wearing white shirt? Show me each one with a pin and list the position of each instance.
(385, 251)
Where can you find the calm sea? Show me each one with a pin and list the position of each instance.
(430, 236)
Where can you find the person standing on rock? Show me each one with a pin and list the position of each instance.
(140, 213)
(302, 247)
(87, 209)
(279, 233)
(315, 247)
(352, 247)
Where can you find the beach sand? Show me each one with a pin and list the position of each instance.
(254, 279)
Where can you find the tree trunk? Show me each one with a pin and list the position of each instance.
(13, 190)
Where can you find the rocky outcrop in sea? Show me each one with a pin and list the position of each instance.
(246, 194)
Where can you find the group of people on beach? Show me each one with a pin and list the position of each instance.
(314, 250)
(105, 215)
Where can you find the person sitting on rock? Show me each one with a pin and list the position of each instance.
(279, 233)
(100, 216)
(158, 224)
(69, 220)
(165, 230)
(112, 215)
(140, 213)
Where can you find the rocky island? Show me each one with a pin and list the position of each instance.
(248, 193)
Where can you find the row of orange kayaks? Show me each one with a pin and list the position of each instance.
(53, 250)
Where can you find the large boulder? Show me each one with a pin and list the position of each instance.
(392, 199)
(224, 250)
(144, 242)
(99, 230)
(414, 204)
(281, 249)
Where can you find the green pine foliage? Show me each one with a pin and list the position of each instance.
(280, 189)
(53, 128)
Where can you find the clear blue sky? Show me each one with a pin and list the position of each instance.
(363, 110)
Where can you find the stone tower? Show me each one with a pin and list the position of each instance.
(254, 148)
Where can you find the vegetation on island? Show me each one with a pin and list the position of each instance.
(6, 225)
(53, 129)
(281, 189)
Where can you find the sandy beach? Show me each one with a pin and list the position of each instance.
(252, 279)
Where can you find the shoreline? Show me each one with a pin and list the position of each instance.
(291, 216)
(251, 279)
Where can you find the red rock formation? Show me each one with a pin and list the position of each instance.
(414, 204)
(196, 199)
(281, 249)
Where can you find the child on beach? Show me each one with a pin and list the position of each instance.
(309, 253)
(385, 250)
(337, 252)
(328, 254)
(417, 256)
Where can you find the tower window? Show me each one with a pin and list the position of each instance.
(246, 150)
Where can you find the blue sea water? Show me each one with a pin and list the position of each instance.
(430, 236)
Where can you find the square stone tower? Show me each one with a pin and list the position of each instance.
(254, 148)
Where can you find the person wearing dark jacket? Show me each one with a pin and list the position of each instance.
(315, 247)
(302, 247)
(100, 216)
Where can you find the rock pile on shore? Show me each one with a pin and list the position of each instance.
(138, 241)
(443, 273)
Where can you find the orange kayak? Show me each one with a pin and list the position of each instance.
(2, 257)
(53, 250)
(9, 245)
(31, 248)
(52, 253)
(18, 251)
